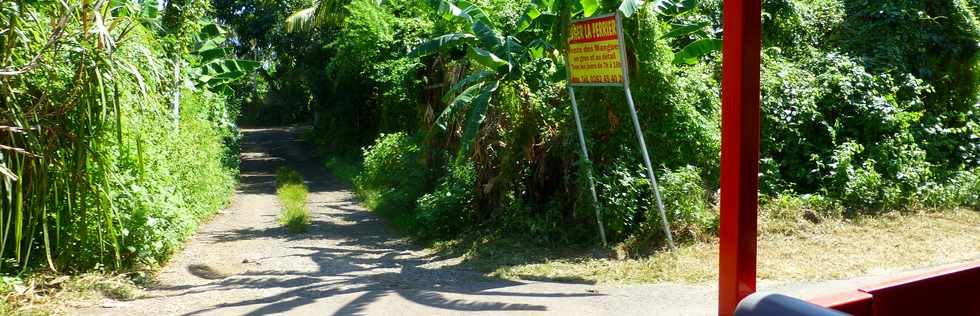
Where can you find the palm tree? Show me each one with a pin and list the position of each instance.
(320, 13)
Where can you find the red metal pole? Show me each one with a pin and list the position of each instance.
(739, 152)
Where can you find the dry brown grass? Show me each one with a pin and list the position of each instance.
(53, 295)
(841, 249)
(795, 249)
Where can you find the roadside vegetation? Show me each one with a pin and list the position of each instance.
(451, 117)
(108, 160)
(117, 136)
(462, 124)
(292, 194)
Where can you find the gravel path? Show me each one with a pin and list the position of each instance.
(349, 263)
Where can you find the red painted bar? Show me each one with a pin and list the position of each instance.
(949, 291)
(855, 302)
(739, 152)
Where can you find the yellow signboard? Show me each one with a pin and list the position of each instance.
(595, 58)
(594, 54)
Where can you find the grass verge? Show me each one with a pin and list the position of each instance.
(831, 249)
(292, 194)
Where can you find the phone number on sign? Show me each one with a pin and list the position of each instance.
(598, 79)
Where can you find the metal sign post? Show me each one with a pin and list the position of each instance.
(588, 169)
(593, 46)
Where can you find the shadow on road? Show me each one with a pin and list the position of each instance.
(359, 255)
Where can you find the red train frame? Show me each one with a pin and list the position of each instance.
(950, 291)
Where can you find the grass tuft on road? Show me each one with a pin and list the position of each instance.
(292, 194)
(791, 248)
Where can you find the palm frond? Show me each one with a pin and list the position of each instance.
(321, 13)
(302, 20)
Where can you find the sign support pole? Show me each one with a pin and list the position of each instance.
(639, 135)
(588, 169)
(646, 160)
(593, 40)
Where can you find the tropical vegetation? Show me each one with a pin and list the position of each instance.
(117, 131)
(461, 109)
(118, 117)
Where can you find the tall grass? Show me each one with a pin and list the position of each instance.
(54, 164)
(292, 194)
(88, 151)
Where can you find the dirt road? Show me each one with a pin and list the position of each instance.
(350, 263)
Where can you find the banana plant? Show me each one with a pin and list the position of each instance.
(214, 68)
(498, 58)
(691, 53)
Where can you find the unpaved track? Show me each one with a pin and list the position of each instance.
(349, 263)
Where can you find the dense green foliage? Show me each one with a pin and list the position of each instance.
(116, 134)
(868, 106)
(875, 104)
(117, 117)
(283, 91)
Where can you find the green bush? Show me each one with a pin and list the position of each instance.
(962, 190)
(450, 208)
(625, 199)
(393, 182)
(184, 181)
(630, 210)
(392, 177)
(857, 184)
(935, 41)
(688, 206)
